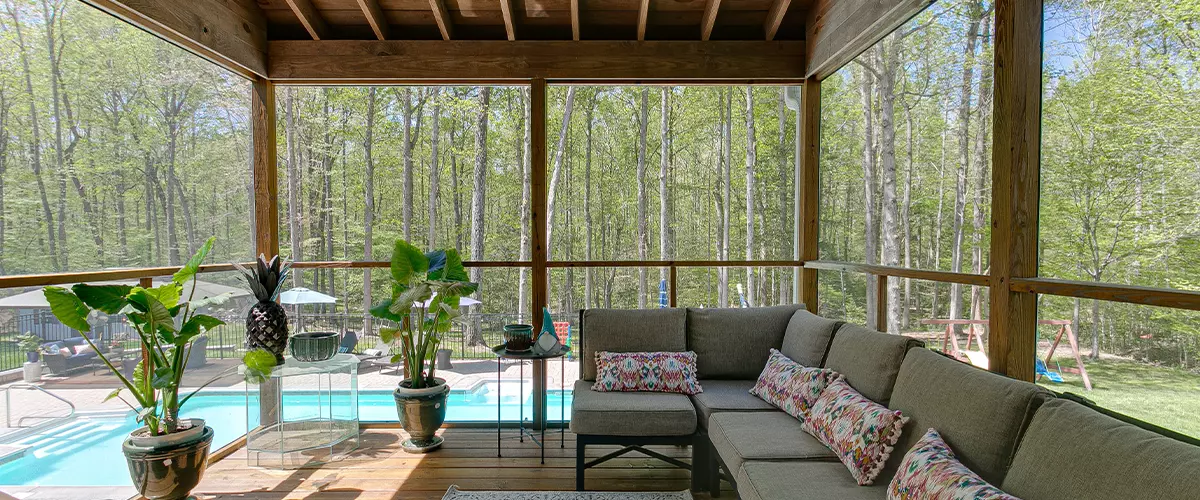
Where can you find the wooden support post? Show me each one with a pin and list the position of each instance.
(881, 300)
(266, 209)
(1017, 120)
(808, 185)
(537, 217)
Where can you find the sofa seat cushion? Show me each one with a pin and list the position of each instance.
(802, 480)
(620, 330)
(868, 359)
(630, 413)
(1072, 451)
(727, 396)
(738, 437)
(807, 337)
(733, 343)
(978, 413)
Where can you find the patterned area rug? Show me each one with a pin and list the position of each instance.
(455, 494)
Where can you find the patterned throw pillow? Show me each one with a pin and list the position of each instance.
(861, 432)
(646, 371)
(930, 472)
(791, 386)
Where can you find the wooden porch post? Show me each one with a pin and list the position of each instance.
(537, 217)
(266, 209)
(808, 186)
(1015, 185)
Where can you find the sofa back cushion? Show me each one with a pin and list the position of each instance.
(629, 330)
(978, 413)
(734, 343)
(1072, 451)
(807, 336)
(868, 359)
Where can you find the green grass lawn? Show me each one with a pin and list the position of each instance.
(1168, 397)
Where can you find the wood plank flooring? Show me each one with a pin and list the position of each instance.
(380, 470)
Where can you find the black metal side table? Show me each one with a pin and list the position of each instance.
(502, 354)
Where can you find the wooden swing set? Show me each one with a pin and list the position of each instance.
(978, 358)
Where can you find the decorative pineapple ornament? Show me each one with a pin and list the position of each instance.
(267, 323)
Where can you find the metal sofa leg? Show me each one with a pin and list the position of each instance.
(580, 463)
(713, 471)
(700, 457)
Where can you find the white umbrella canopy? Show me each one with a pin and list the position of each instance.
(36, 299)
(462, 302)
(297, 296)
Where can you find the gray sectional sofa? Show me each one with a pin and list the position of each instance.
(1031, 442)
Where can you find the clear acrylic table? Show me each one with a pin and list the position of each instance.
(305, 413)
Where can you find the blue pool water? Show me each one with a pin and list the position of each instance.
(86, 450)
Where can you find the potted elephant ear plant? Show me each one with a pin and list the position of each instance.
(426, 288)
(168, 455)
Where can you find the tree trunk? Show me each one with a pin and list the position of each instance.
(35, 142)
(982, 178)
(434, 166)
(664, 217)
(870, 228)
(889, 58)
(786, 172)
(964, 159)
(587, 207)
(475, 334)
(726, 173)
(523, 159)
(751, 160)
(552, 191)
(643, 231)
(4, 106)
(407, 209)
(293, 180)
(368, 207)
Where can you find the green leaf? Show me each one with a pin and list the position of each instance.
(107, 298)
(387, 335)
(145, 412)
(396, 358)
(67, 307)
(112, 395)
(198, 324)
(164, 377)
(407, 261)
(383, 310)
(189, 270)
(437, 261)
(169, 294)
(156, 315)
(419, 293)
(259, 364)
(453, 270)
(215, 300)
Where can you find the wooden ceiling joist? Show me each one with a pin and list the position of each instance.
(510, 24)
(359, 61)
(709, 19)
(375, 18)
(310, 18)
(575, 19)
(837, 31)
(643, 15)
(775, 17)
(442, 17)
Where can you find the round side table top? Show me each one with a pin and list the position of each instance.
(500, 351)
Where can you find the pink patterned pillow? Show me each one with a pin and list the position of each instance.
(861, 432)
(646, 371)
(930, 472)
(790, 386)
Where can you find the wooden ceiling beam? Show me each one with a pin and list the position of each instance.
(775, 17)
(575, 19)
(837, 31)
(349, 61)
(310, 18)
(510, 23)
(375, 18)
(643, 15)
(710, 19)
(230, 33)
(443, 18)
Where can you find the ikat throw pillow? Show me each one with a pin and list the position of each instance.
(861, 432)
(646, 371)
(930, 471)
(790, 386)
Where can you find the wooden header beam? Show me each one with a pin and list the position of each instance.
(358, 61)
(230, 33)
(837, 31)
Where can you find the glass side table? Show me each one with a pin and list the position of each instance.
(502, 354)
(305, 413)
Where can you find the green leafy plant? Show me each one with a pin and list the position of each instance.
(438, 277)
(29, 342)
(165, 322)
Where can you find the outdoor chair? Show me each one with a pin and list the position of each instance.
(349, 342)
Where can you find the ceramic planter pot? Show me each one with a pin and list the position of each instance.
(168, 467)
(32, 356)
(518, 338)
(311, 347)
(422, 412)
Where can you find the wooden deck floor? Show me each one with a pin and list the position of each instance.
(380, 470)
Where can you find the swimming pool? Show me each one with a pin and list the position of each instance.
(86, 450)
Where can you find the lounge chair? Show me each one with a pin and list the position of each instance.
(349, 342)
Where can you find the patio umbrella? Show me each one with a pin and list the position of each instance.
(300, 296)
(462, 302)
